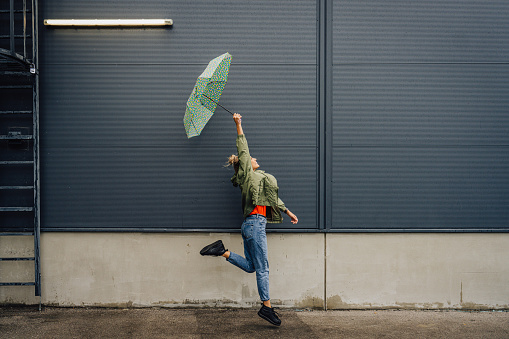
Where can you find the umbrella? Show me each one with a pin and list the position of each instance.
(205, 96)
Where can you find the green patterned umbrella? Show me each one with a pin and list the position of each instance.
(205, 96)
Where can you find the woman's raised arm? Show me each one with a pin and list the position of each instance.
(238, 121)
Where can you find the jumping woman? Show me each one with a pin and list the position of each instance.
(261, 204)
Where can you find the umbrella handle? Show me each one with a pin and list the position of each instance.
(218, 104)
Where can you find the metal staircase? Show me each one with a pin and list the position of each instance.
(19, 141)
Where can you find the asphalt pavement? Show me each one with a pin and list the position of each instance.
(29, 322)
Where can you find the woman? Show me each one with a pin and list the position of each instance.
(261, 204)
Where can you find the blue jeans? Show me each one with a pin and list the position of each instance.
(255, 251)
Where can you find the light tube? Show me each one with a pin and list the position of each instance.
(108, 22)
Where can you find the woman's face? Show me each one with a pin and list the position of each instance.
(254, 164)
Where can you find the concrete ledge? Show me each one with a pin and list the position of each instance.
(418, 271)
(116, 269)
(316, 271)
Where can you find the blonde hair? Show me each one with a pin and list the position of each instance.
(233, 160)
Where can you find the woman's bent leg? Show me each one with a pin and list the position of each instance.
(241, 262)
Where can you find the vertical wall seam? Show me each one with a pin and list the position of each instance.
(324, 100)
(320, 89)
(325, 271)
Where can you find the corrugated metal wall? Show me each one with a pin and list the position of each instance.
(421, 115)
(114, 150)
(418, 106)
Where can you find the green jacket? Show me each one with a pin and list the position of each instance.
(257, 187)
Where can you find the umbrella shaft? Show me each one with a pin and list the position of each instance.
(218, 104)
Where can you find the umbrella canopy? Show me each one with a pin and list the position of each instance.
(206, 93)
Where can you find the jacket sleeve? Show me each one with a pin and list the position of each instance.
(281, 205)
(244, 158)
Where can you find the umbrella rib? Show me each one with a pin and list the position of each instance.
(195, 129)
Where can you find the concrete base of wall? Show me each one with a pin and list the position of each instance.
(333, 271)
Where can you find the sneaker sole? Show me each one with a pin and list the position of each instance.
(209, 247)
(270, 321)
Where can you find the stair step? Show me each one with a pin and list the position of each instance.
(16, 187)
(18, 284)
(16, 209)
(18, 259)
(16, 162)
(15, 11)
(7, 234)
(16, 137)
(16, 36)
(13, 72)
(15, 112)
(15, 86)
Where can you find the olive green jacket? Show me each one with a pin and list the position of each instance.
(257, 187)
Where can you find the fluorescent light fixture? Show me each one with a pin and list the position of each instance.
(108, 22)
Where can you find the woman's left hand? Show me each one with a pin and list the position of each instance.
(292, 216)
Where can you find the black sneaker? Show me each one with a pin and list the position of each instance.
(270, 315)
(215, 249)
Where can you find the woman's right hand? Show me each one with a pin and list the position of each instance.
(238, 121)
(237, 118)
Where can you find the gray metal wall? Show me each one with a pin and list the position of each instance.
(373, 115)
(114, 150)
(420, 115)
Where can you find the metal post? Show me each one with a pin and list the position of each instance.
(11, 27)
(24, 29)
(37, 220)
